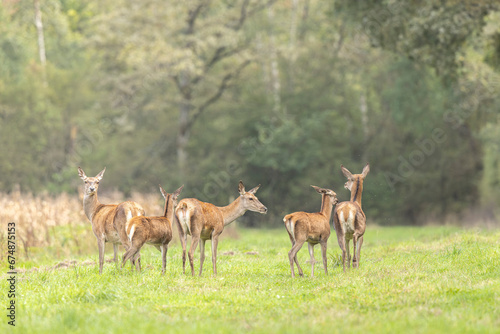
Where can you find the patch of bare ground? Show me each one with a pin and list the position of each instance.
(68, 264)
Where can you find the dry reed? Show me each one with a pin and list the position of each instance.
(58, 223)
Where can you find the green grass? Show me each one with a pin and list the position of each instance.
(411, 280)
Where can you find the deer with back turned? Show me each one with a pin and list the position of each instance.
(156, 231)
(108, 220)
(313, 228)
(349, 218)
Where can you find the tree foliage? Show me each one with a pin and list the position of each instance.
(274, 92)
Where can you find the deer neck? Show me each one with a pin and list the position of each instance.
(168, 212)
(232, 211)
(326, 206)
(90, 205)
(323, 200)
(357, 190)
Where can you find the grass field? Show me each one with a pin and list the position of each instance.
(411, 280)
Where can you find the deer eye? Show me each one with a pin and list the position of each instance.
(251, 198)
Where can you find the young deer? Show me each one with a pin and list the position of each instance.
(205, 221)
(311, 227)
(108, 220)
(156, 231)
(349, 218)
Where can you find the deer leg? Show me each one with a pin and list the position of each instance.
(183, 239)
(347, 248)
(291, 255)
(125, 257)
(137, 261)
(290, 258)
(311, 254)
(100, 246)
(129, 254)
(324, 246)
(355, 257)
(164, 249)
(194, 244)
(295, 258)
(301, 273)
(132, 261)
(115, 252)
(341, 241)
(215, 242)
(291, 263)
(133, 253)
(184, 254)
(127, 244)
(202, 254)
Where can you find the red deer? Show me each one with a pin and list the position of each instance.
(311, 227)
(349, 218)
(108, 220)
(156, 231)
(205, 221)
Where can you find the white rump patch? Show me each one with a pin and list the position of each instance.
(347, 224)
(183, 217)
(129, 215)
(350, 220)
(290, 228)
(131, 234)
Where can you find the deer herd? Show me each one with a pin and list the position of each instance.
(126, 223)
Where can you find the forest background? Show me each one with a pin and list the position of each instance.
(281, 93)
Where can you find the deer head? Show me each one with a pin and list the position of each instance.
(249, 200)
(327, 192)
(91, 183)
(351, 178)
(175, 194)
(169, 207)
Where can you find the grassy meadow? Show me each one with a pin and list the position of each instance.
(411, 280)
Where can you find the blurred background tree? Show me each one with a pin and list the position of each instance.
(274, 92)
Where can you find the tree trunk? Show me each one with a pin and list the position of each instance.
(183, 134)
(273, 57)
(292, 57)
(41, 39)
(363, 108)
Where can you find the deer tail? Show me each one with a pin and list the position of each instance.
(290, 225)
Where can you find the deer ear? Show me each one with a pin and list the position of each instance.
(82, 174)
(99, 176)
(163, 192)
(241, 188)
(366, 170)
(318, 189)
(178, 191)
(254, 190)
(346, 172)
